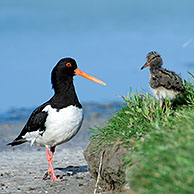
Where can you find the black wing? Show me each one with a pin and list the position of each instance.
(167, 79)
(34, 123)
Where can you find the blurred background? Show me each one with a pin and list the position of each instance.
(108, 38)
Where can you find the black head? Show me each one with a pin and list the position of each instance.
(65, 67)
(153, 59)
(63, 72)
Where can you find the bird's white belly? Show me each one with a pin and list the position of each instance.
(162, 93)
(60, 125)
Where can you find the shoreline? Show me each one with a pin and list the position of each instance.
(23, 167)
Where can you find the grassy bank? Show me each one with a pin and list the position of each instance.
(160, 142)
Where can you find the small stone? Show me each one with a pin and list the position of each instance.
(70, 173)
(31, 188)
(79, 177)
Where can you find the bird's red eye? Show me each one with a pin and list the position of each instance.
(68, 64)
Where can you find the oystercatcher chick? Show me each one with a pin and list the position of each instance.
(59, 119)
(163, 83)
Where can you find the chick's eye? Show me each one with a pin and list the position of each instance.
(68, 64)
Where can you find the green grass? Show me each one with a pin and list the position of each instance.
(164, 161)
(160, 142)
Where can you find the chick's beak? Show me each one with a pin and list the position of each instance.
(83, 74)
(145, 65)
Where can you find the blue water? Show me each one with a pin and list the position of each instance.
(91, 110)
(108, 38)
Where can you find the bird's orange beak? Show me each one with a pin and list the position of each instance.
(146, 65)
(83, 74)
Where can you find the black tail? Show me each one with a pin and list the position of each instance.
(17, 142)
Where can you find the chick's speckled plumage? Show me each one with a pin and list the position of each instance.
(162, 81)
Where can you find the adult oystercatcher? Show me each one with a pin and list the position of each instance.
(162, 81)
(59, 119)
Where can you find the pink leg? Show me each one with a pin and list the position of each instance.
(161, 103)
(50, 170)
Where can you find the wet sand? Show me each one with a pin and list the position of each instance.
(22, 172)
(23, 167)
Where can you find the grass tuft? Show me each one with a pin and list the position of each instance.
(160, 141)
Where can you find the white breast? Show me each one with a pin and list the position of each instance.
(162, 93)
(60, 125)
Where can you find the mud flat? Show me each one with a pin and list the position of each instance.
(22, 171)
(23, 167)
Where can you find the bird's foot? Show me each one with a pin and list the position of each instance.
(52, 176)
(55, 179)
